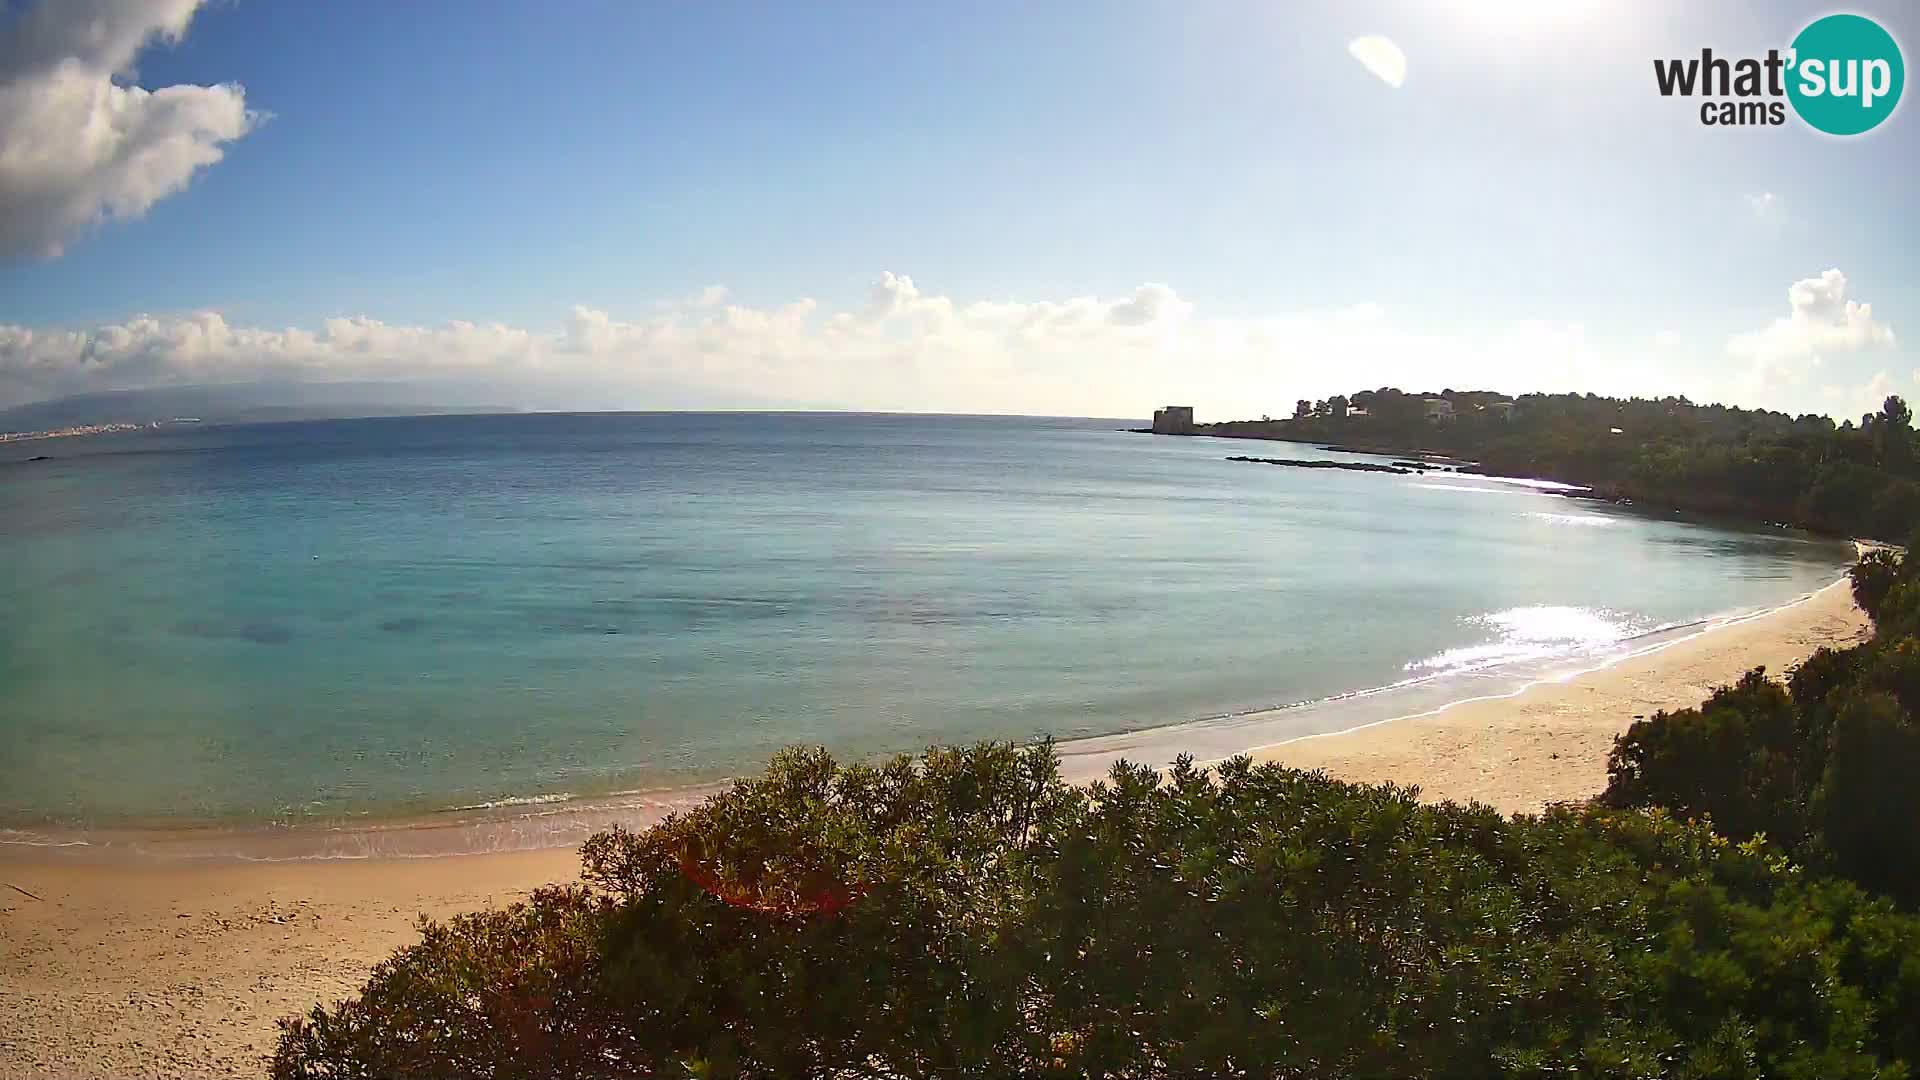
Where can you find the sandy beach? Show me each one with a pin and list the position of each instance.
(181, 970)
(1549, 743)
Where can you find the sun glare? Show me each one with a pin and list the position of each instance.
(1382, 57)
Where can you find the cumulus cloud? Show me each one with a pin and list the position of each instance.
(1382, 57)
(1150, 303)
(1821, 324)
(906, 347)
(1820, 320)
(892, 294)
(77, 145)
(900, 346)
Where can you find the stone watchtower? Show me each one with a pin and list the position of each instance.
(1173, 420)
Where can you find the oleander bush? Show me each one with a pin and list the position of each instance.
(966, 913)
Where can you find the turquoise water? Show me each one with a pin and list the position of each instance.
(321, 621)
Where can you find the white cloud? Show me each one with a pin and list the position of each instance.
(891, 294)
(1821, 323)
(900, 347)
(1820, 320)
(1382, 57)
(1666, 339)
(77, 147)
(1150, 303)
(1766, 206)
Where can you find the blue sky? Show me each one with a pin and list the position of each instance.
(572, 178)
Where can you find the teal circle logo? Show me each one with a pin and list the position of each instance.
(1846, 74)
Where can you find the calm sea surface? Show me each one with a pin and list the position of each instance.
(318, 621)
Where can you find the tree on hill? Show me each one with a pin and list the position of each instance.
(1766, 466)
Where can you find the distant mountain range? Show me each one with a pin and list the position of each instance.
(237, 403)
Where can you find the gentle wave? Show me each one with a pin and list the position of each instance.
(1470, 489)
(22, 838)
(1592, 521)
(1644, 644)
(1600, 653)
(1535, 633)
(513, 800)
(1525, 482)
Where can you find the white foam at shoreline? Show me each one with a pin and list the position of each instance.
(514, 800)
(22, 838)
(1568, 677)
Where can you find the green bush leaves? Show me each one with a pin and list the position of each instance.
(969, 914)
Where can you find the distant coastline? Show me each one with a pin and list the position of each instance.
(124, 411)
(1841, 479)
(74, 432)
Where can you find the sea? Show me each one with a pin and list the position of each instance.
(321, 627)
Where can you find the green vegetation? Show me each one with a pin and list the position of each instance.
(1824, 767)
(969, 914)
(1847, 480)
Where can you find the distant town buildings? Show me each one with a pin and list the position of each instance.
(66, 432)
(1368, 414)
(1173, 420)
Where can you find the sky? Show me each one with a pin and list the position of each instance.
(1064, 208)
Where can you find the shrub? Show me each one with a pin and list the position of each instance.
(969, 914)
(1875, 575)
(1736, 759)
(510, 993)
(1823, 768)
(1868, 807)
